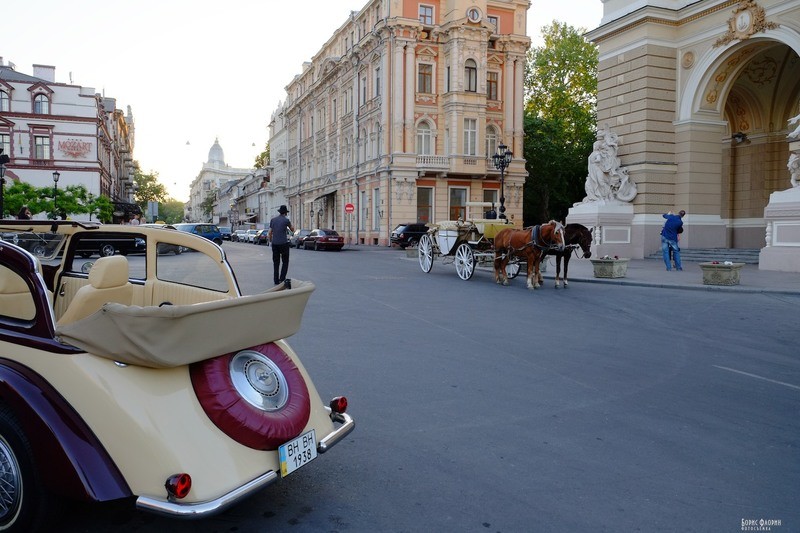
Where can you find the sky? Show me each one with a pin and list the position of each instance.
(193, 71)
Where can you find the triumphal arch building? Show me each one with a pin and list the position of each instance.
(702, 101)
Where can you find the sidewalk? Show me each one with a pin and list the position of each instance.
(652, 273)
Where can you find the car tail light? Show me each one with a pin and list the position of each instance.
(339, 404)
(178, 485)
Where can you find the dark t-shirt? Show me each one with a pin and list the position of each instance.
(279, 225)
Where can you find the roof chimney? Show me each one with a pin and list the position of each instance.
(45, 72)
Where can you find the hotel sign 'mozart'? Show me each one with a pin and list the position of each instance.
(75, 148)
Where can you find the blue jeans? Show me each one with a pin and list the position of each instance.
(666, 244)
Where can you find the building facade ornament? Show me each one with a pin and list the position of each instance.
(748, 19)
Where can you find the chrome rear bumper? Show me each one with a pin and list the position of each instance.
(176, 509)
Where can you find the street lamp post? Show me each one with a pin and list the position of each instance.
(56, 175)
(2, 186)
(501, 159)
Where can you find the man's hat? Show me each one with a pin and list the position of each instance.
(282, 210)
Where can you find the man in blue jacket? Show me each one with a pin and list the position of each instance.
(669, 238)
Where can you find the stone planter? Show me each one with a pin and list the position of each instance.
(610, 268)
(721, 274)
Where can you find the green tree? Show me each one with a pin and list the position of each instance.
(148, 189)
(171, 211)
(560, 120)
(19, 194)
(207, 205)
(262, 159)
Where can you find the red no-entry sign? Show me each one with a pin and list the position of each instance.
(349, 208)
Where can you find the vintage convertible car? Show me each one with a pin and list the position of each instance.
(115, 381)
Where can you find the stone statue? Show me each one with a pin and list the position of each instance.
(794, 168)
(796, 133)
(607, 181)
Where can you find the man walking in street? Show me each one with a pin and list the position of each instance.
(279, 237)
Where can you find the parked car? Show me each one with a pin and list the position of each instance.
(209, 231)
(323, 239)
(298, 237)
(261, 237)
(163, 247)
(239, 235)
(408, 234)
(104, 244)
(250, 235)
(145, 402)
(226, 232)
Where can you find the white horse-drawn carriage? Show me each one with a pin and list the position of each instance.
(467, 243)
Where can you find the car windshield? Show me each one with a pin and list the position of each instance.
(328, 232)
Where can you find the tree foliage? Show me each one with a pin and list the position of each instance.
(560, 119)
(148, 189)
(70, 200)
(171, 211)
(262, 159)
(207, 205)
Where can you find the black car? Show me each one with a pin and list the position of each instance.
(408, 234)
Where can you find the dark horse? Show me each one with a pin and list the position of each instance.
(529, 244)
(575, 236)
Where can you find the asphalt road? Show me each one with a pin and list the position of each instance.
(499, 409)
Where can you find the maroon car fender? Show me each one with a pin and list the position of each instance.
(69, 458)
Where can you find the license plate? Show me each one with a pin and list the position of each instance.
(298, 452)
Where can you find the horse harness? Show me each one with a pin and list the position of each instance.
(536, 239)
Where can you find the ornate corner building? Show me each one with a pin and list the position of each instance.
(701, 94)
(396, 118)
(48, 126)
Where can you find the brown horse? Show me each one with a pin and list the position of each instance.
(575, 236)
(529, 244)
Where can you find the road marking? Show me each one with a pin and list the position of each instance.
(758, 377)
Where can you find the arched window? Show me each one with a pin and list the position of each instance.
(5, 103)
(471, 76)
(491, 141)
(41, 105)
(424, 139)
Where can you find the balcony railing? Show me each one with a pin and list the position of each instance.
(433, 161)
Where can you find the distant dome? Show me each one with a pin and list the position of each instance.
(215, 154)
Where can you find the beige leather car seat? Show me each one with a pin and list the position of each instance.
(15, 297)
(108, 282)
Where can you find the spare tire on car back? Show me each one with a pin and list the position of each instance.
(256, 396)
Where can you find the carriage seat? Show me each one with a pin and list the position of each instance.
(108, 282)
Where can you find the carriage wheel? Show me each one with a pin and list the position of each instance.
(512, 270)
(465, 261)
(425, 253)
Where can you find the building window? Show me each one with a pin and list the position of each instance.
(377, 81)
(470, 135)
(5, 143)
(41, 105)
(41, 147)
(491, 142)
(493, 22)
(491, 85)
(425, 78)
(363, 90)
(376, 211)
(425, 204)
(447, 80)
(5, 103)
(424, 138)
(490, 197)
(333, 110)
(471, 76)
(458, 203)
(426, 15)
